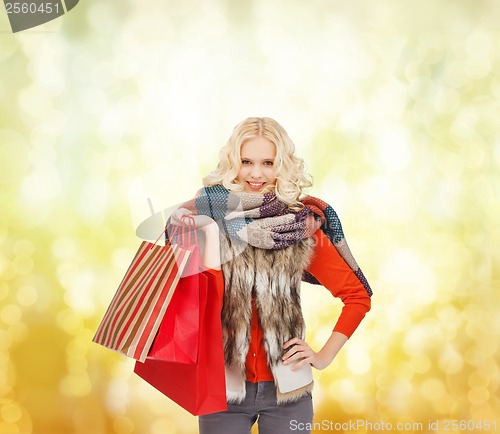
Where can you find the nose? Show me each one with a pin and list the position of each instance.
(256, 171)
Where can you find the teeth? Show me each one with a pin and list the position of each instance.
(256, 185)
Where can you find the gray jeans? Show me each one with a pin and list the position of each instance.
(260, 405)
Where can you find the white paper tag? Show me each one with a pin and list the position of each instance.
(289, 380)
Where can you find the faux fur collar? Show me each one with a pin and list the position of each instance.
(273, 277)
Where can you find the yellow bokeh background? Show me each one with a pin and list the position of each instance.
(393, 104)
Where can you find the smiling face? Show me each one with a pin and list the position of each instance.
(257, 164)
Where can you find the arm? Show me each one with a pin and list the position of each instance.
(333, 273)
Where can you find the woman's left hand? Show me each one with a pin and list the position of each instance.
(302, 352)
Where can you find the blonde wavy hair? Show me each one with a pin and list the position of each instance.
(291, 178)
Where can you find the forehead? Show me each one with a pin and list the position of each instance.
(258, 147)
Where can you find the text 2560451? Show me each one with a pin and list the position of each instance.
(32, 8)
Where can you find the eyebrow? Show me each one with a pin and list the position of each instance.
(264, 159)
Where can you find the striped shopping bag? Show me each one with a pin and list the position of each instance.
(137, 309)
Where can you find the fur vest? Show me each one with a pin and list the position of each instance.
(273, 277)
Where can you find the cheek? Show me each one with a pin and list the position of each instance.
(242, 172)
(270, 173)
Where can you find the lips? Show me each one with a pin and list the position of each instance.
(255, 185)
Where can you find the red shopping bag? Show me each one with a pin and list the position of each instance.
(199, 388)
(131, 321)
(178, 335)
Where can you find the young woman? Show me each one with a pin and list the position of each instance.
(262, 239)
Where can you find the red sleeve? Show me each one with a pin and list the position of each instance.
(333, 273)
(219, 278)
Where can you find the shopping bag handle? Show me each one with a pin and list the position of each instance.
(172, 231)
(187, 231)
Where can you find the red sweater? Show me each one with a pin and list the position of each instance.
(334, 274)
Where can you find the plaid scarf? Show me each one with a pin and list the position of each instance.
(265, 222)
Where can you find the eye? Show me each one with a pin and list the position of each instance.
(268, 163)
(245, 162)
